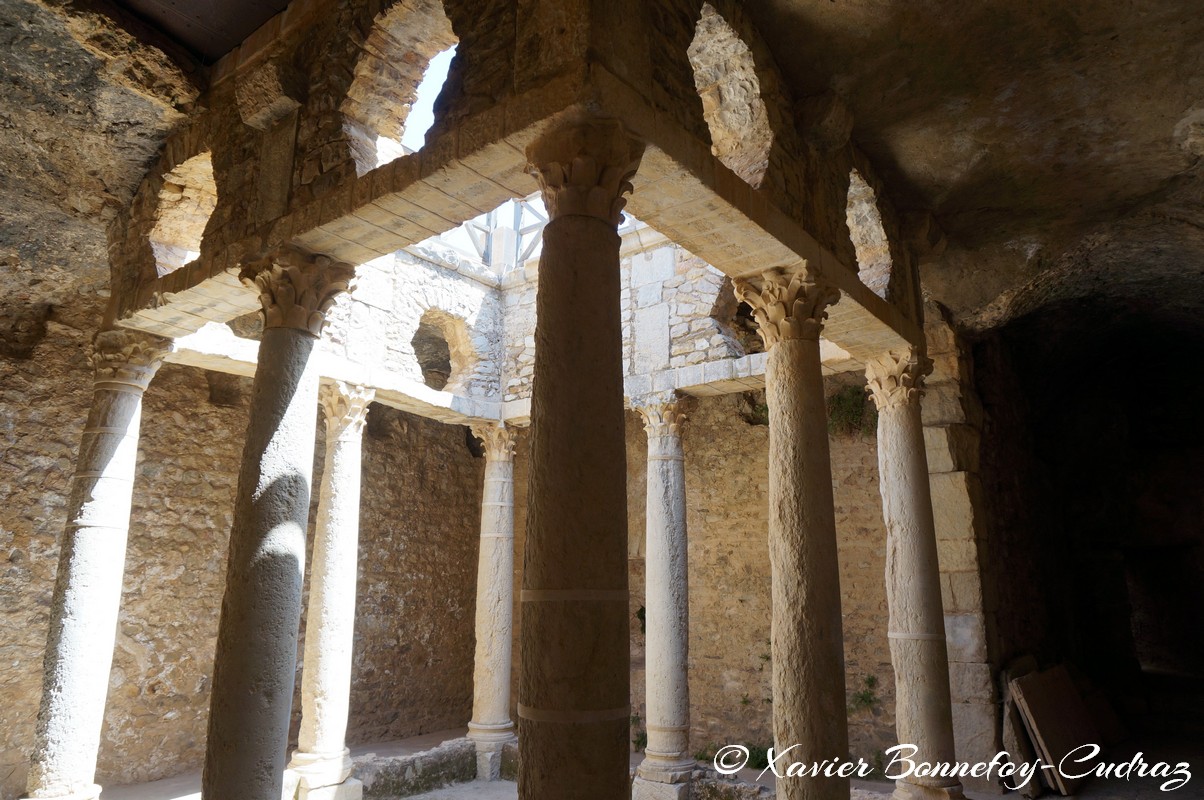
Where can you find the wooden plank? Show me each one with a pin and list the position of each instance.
(1056, 719)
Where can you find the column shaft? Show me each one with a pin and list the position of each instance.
(87, 591)
(574, 689)
(255, 663)
(491, 726)
(916, 632)
(321, 758)
(574, 700)
(809, 707)
(667, 759)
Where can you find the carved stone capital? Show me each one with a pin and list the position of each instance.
(297, 288)
(345, 407)
(127, 357)
(498, 440)
(663, 414)
(897, 378)
(584, 165)
(788, 305)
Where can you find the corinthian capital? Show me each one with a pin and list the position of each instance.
(297, 288)
(345, 406)
(127, 357)
(663, 414)
(584, 165)
(788, 305)
(498, 440)
(897, 378)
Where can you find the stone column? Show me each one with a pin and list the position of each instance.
(87, 588)
(574, 684)
(665, 771)
(916, 631)
(255, 663)
(809, 707)
(321, 759)
(491, 726)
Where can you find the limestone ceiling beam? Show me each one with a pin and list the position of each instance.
(216, 348)
(474, 165)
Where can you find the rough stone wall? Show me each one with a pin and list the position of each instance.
(953, 424)
(727, 505)
(416, 597)
(668, 302)
(419, 519)
(376, 325)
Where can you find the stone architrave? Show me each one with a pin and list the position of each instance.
(87, 590)
(574, 700)
(667, 765)
(322, 759)
(256, 656)
(809, 711)
(491, 727)
(923, 712)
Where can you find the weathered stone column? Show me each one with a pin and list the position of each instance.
(913, 589)
(256, 655)
(574, 683)
(87, 588)
(665, 771)
(321, 759)
(491, 726)
(809, 711)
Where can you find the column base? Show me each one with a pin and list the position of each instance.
(315, 770)
(914, 791)
(642, 789)
(350, 789)
(91, 792)
(663, 779)
(490, 739)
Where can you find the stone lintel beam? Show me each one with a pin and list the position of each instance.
(682, 191)
(468, 170)
(219, 350)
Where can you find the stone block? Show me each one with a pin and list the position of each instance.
(966, 635)
(957, 555)
(350, 789)
(971, 683)
(949, 403)
(952, 448)
(965, 591)
(955, 496)
(655, 266)
(654, 790)
(976, 738)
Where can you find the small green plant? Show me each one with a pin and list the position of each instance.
(746, 700)
(766, 657)
(850, 411)
(707, 753)
(879, 764)
(642, 616)
(639, 736)
(865, 698)
(758, 756)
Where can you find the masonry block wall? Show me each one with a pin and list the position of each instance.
(419, 519)
(726, 503)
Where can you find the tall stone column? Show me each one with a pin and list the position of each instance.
(491, 726)
(321, 759)
(809, 711)
(87, 589)
(574, 700)
(255, 663)
(916, 632)
(665, 771)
